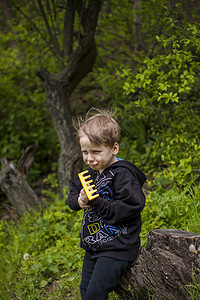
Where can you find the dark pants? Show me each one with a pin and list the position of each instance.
(100, 276)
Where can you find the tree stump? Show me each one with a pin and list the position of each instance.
(169, 263)
(14, 182)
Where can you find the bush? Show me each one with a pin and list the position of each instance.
(25, 119)
(171, 208)
(160, 117)
(39, 251)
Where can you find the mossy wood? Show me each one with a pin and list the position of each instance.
(165, 268)
(14, 182)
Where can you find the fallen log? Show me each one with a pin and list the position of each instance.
(14, 182)
(163, 269)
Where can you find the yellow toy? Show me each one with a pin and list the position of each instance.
(86, 185)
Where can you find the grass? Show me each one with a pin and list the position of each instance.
(51, 240)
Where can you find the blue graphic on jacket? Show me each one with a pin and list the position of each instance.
(106, 193)
(111, 229)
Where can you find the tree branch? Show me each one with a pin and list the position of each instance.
(81, 10)
(82, 59)
(68, 28)
(51, 18)
(53, 38)
(52, 49)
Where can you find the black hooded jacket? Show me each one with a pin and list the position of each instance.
(112, 224)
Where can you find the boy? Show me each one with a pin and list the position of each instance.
(111, 223)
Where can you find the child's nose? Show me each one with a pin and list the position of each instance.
(90, 157)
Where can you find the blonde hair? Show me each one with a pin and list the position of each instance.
(100, 127)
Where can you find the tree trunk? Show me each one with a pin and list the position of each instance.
(169, 263)
(58, 100)
(14, 182)
(59, 87)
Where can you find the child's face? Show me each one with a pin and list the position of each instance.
(97, 157)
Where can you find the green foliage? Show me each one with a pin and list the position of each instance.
(167, 77)
(115, 38)
(25, 119)
(168, 207)
(40, 250)
(194, 289)
(165, 104)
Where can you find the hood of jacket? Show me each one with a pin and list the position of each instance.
(130, 166)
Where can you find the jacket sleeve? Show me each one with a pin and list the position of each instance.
(72, 200)
(128, 202)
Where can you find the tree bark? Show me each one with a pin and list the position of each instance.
(14, 182)
(58, 100)
(68, 28)
(169, 263)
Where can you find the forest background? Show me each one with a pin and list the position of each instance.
(147, 69)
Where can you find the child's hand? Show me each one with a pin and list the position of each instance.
(83, 200)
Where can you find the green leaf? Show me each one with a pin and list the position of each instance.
(43, 283)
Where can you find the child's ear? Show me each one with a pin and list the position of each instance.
(115, 148)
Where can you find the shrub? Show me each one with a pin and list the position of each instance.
(39, 250)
